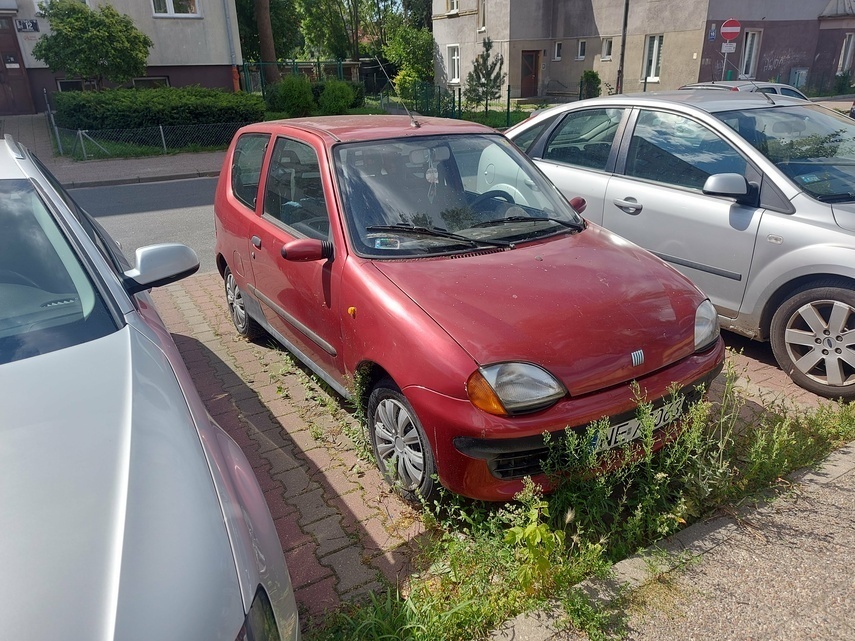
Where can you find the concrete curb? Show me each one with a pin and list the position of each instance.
(670, 554)
(135, 180)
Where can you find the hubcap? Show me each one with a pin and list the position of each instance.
(235, 302)
(399, 447)
(821, 343)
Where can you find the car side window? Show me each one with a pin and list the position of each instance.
(584, 138)
(246, 167)
(672, 149)
(790, 92)
(294, 193)
(525, 140)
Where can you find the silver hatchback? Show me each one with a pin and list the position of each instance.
(750, 195)
(127, 513)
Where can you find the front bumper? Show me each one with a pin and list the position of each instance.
(486, 457)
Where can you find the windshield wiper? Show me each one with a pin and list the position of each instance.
(440, 233)
(835, 198)
(524, 219)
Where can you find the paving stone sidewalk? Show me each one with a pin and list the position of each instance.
(341, 529)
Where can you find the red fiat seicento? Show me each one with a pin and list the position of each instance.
(428, 268)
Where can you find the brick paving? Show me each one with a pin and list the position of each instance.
(344, 533)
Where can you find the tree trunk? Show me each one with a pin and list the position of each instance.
(266, 45)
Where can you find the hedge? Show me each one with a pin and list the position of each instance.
(137, 108)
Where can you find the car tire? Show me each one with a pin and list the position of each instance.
(400, 446)
(245, 325)
(813, 338)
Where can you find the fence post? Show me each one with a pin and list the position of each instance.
(82, 144)
(460, 102)
(162, 139)
(508, 109)
(581, 83)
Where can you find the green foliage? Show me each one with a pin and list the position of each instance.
(336, 98)
(591, 85)
(484, 82)
(407, 85)
(843, 83)
(131, 108)
(411, 50)
(292, 95)
(97, 44)
(284, 20)
(328, 27)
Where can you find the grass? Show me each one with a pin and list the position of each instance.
(484, 563)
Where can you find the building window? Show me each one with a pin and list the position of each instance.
(454, 63)
(606, 53)
(845, 64)
(39, 13)
(653, 58)
(175, 7)
(748, 66)
(482, 15)
(453, 6)
(151, 82)
(557, 53)
(580, 52)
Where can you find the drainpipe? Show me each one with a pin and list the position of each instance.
(619, 88)
(232, 55)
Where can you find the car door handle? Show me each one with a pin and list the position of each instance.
(256, 241)
(629, 205)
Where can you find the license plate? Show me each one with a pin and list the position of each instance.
(627, 431)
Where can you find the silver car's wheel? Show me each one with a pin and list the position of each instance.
(813, 338)
(399, 443)
(244, 324)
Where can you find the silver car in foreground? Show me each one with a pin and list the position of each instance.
(750, 195)
(127, 513)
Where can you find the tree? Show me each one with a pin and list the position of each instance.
(284, 24)
(418, 13)
(411, 49)
(266, 44)
(92, 44)
(484, 82)
(332, 26)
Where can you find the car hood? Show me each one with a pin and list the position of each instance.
(844, 215)
(112, 528)
(578, 305)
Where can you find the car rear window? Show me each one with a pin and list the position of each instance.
(47, 298)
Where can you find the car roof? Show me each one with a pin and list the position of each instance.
(373, 127)
(11, 155)
(710, 101)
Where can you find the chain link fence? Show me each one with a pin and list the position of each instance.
(89, 144)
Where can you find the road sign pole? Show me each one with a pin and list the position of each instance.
(724, 68)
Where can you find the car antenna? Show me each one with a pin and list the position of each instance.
(413, 122)
(756, 86)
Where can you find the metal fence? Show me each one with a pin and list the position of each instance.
(86, 144)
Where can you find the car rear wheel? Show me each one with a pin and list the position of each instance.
(244, 324)
(400, 446)
(813, 339)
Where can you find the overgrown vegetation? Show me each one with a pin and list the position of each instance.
(485, 563)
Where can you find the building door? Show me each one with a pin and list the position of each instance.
(528, 82)
(15, 97)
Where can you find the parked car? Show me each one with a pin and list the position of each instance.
(749, 85)
(129, 514)
(427, 269)
(753, 199)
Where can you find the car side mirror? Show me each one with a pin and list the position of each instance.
(578, 203)
(303, 250)
(731, 186)
(159, 265)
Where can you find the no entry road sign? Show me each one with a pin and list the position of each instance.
(730, 29)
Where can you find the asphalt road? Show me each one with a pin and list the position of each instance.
(180, 211)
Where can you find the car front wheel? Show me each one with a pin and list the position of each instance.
(813, 339)
(244, 324)
(400, 446)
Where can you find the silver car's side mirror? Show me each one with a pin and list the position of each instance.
(159, 265)
(733, 185)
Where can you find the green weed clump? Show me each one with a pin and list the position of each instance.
(484, 563)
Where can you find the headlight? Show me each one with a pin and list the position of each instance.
(706, 326)
(260, 623)
(513, 388)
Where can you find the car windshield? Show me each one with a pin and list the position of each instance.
(444, 194)
(812, 146)
(47, 299)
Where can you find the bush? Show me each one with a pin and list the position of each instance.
(293, 96)
(336, 98)
(590, 84)
(133, 109)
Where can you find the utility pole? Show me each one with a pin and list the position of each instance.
(619, 88)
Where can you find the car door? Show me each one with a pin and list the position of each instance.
(299, 299)
(577, 155)
(655, 199)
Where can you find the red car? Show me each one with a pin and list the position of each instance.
(426, 267)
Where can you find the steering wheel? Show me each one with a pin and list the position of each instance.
(493, 193)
